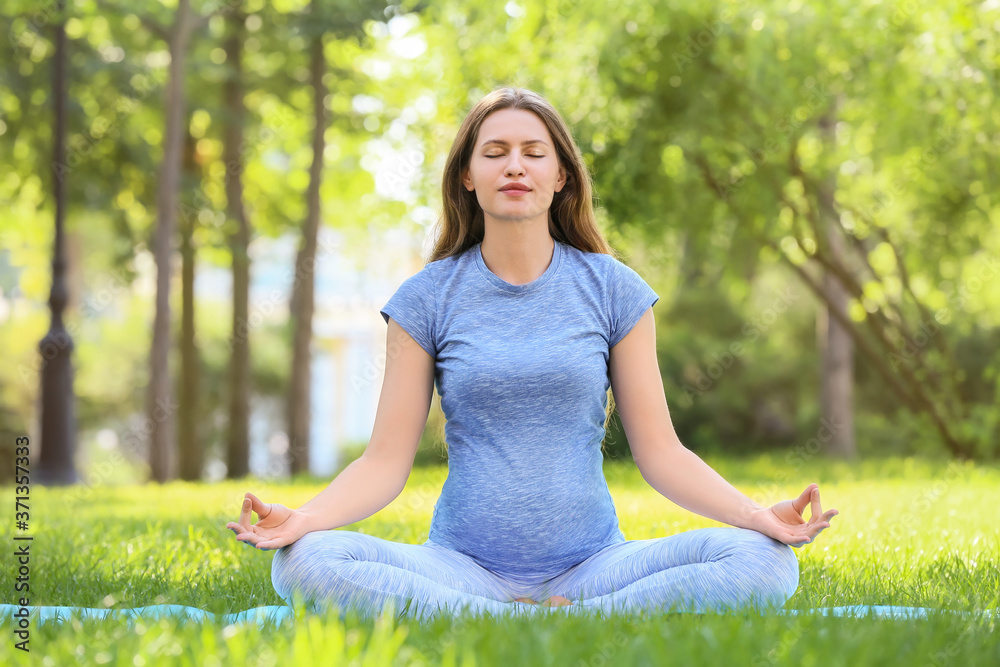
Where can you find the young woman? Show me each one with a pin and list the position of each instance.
(524, 318)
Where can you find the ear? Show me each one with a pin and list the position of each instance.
(561, 181)
(467, 180)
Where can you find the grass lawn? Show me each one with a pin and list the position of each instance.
(910, 532)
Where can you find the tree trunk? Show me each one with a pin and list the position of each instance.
(58, 413)
(836, 345)
(882, 337)
(238, 453)
(160, 406)
(302, 304)
(189, 444)
(837, 372)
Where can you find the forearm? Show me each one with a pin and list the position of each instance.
(682, 477)
(360, 490)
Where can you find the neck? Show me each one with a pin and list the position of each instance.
(517, 253)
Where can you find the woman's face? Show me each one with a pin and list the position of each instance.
(514, 146)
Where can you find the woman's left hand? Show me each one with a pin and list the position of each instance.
(783, 521)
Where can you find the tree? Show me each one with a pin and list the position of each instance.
(161, 408)
(160, 405)
(836, 346)
(345, 20)
(56, 464)
(189, 447)
(302, 301)
(238, 452)
(736, 100)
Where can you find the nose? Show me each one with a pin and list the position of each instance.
(514, 165)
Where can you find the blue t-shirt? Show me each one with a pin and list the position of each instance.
(522, 372)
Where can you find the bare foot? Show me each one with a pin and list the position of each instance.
(526, 600)
(556, 601)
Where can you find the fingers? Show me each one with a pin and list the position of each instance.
(817, 524)
(261, 508)
(254, 540)
(252, 503)
(244, 528)
(245, 513)
(797, 540)
(817, 508)
(817, 528)
(243, 525)
(800, 503)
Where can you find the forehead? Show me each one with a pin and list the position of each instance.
(513, 126)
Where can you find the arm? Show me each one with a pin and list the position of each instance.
(676, 472)
(361, 489)
(379, 475)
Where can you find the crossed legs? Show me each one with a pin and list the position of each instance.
(699, 570)
(708, 569)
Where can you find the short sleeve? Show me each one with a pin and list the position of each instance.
(629, 296)
(413, 306)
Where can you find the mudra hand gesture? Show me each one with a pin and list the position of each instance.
(784, 522)
(276, 526)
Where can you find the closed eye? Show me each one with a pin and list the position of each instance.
(492, 156)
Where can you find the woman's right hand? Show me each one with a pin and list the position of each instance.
(276, 526)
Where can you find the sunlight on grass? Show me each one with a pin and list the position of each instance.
(910, 532)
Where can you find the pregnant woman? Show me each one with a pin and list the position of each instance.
(524, 318)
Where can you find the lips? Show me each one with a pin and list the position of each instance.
(515, 186)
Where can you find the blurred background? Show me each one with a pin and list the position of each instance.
(206, 202)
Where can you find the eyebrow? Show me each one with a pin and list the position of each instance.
(506, 143)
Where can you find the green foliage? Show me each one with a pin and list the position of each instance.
(701, 124)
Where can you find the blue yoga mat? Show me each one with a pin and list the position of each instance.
(41, 615)
(281, 614)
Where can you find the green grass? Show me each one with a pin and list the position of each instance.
(910, 532)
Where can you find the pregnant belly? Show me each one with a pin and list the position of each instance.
(525, 533)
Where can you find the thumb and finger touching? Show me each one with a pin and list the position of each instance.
(796, 530)
(800, 503)
(251, 504)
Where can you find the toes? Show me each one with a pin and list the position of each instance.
(557, 601)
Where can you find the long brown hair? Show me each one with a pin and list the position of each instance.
(571, 215)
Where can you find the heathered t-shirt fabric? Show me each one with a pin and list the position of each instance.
(522, 372)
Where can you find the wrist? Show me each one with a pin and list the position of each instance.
(746, 514)
(310, 519)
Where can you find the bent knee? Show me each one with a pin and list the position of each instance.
(776, 563)
(297, 565)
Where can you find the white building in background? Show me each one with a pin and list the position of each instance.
(352, 284)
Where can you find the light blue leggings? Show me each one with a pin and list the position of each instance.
(708, 569)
